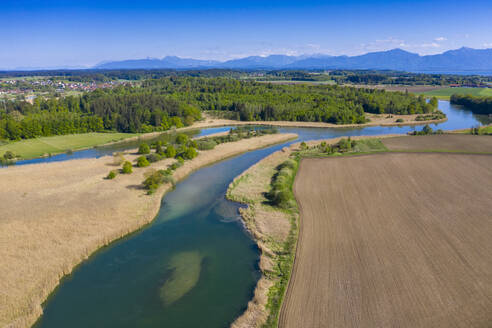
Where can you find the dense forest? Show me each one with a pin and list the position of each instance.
(478, 105)
(159, 104)
(122, 109)
(254, 101)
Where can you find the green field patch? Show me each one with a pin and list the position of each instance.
(32, 148)
(186, 268)
(446, 93)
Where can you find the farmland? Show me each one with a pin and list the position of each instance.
(445, 93)
(393, 240)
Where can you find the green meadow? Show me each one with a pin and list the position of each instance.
(32, 148)
(446, 93)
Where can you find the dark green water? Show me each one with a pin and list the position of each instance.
(120, 286)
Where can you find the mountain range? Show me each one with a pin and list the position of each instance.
(463, 59)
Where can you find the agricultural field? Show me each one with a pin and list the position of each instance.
(441, 143)
(32, 148)
(393, 240)
(446, 93)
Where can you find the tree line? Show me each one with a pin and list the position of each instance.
(478, 105)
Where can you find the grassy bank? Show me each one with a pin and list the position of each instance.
(272, 219)
(445, 93)
(32, 148)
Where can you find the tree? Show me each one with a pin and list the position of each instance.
(158, 147)
(181, 139)
(144, 148)
(127, 168)
(190, 153)
(170, 151)
(433, 102)
(142, 161)
(427, 129)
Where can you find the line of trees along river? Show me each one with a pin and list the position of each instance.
(478, 105)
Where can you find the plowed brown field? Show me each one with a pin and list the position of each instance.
(441, 142)
(393, 240)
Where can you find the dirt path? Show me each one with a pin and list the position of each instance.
(393, 240)
(53, 216)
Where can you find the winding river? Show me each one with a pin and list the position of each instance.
(194, 265)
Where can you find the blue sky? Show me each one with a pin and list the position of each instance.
(50, 33)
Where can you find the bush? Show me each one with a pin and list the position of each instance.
(153, 179)
(152, 158)
(400, 120)
(8, 155)
(189, 153)
(281, 193)
(206, 144)
(170, 152)
(112, 174)
(144, 149)
(181, 139)
(142, 161)
(158, 147)
(127, 168)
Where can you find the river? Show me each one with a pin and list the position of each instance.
(198, 234)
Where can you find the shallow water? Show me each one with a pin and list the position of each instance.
(121, 285)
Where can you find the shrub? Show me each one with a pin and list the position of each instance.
(153, 179)
(181, 139)
(190, 153)
(112, 174)
(206, 144)
(8, 155)
(191, 143)
(170, 152)
(127, 168)
(427, 129)
(400, 120)
(281, 193)
(152, 158)
(144, 148)
(142, 161)
(158, 147)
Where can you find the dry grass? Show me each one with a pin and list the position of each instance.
(393, 240)
(53, 216)
(268, 226)
(376, 120)
(441, 142)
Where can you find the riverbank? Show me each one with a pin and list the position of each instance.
(42, 146)
(375, 120)
(45, 146)
(53, 216)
